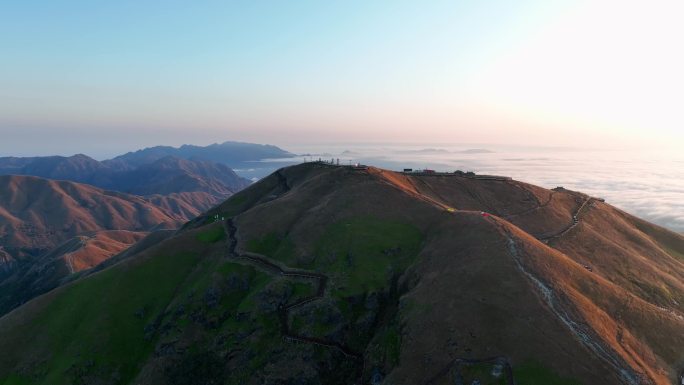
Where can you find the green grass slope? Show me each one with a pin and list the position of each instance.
(330, 275)
(104, 324)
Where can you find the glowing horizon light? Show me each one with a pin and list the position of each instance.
(539, 73)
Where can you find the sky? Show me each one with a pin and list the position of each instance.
(102, 78)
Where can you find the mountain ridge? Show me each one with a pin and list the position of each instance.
(232, 154)
(50, 229)
(566, 290)
(165, 175)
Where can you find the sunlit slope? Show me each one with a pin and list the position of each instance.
(38, 214)
(50, 229)
(325, 274)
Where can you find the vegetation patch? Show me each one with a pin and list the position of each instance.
(219, 309)
(302, 289)
(243, 200)
(105, 325)
(364, 253)
(392, 344)
(15, 379)
(213, 234)
(483, 374)
(234, 205)
(534, 373)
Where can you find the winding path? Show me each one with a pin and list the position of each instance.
(416, 193)
(266, 264)
(70, 264)
(577, 327)
(284, 310)
(572, 225)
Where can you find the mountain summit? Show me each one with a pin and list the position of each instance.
(322, 274)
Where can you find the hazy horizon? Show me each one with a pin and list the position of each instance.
(297, 147)
(601, 78)
(117, 76)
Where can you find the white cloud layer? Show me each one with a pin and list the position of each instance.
(647, 184)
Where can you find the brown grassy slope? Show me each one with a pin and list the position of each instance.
(473, 302)
(37, 214)
(321, 197)
(632, 329)
(625, 320)
(50, 269)
(623, 249)
(92, 250)
(186, 205)
(636, 262)
(51, 229)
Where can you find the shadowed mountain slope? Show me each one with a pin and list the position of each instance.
(76, 168)
(165, 175)
(233, 154)
(320, 274)
(173, 175)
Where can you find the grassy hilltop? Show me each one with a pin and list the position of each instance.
(322, 275)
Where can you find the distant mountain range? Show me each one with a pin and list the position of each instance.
(232, 154)
(60, 215)
(153, 170)
(161, 176)
(50, 229)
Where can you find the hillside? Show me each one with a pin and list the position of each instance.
(50, 229)
(77, 168)
(335, 275)
(37, 214)
(33, 276)
(170, 175)
(164, 175)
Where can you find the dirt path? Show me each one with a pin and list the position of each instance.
(428, 187)
(265, 264)
(576, 326)
(576, 216)
(70, 263)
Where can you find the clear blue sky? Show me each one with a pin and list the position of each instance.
(103, 77)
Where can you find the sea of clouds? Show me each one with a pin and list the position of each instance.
(648, 184)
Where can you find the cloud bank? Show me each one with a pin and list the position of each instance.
(647, 184)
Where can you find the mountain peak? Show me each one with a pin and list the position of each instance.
(330, 274)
